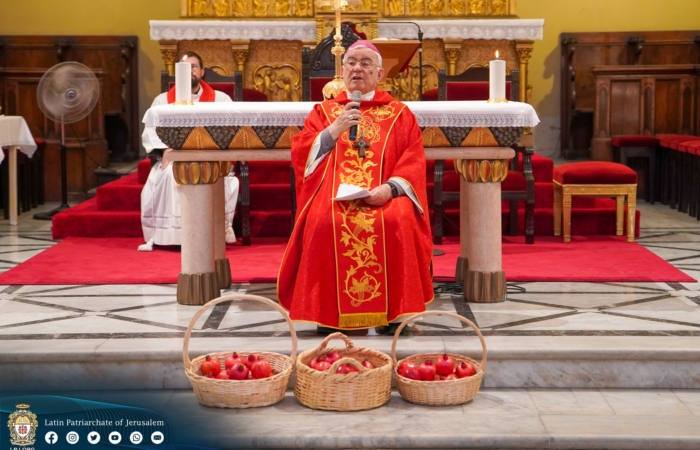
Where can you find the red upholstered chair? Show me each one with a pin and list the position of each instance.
(640, 146)
(690, 152)
(594, 179)
(233, 87)
(519, 185)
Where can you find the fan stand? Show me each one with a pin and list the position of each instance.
(64, 182)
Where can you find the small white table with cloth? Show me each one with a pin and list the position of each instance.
(15, 135)
(207, 136)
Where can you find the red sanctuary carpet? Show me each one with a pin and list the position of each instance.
(116, 261)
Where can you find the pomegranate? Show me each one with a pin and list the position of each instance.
(451, 377)
(323, 366)
(412, 373)
(232, 360)
(464, 370)
(261, 369)
(238, 372)
(404, 365)
(346, 368)
(314, 362)
(367, 364)
(445, 365)
(250, 360)
(210, 366)
(332, 357)
(437, 378)
(427, 370)
(223, 375)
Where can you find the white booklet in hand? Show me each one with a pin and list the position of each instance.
(350, 192)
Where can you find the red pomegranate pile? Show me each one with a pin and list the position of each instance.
(252, 367)
(444, 368)
(323, 363)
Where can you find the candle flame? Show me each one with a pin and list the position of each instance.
(496, 54)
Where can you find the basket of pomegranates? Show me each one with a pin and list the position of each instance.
(438, 378)
(343, 379)
(239, 379)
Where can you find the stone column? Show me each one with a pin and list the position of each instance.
(524, 50)
(484, 281)
(453, 50)
(239, 50)
(168, 49)
(198, 282)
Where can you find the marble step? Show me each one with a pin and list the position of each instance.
(608, 362)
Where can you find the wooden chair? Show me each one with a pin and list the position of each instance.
(318, 66)
(233, 87)
(472, 84)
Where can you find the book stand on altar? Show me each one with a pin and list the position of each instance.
(396, 55)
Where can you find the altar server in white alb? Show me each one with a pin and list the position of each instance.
(160, 198)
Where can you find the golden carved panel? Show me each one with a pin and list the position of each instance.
(405, 87)
(281, 83)
(285, 55)
(482, 51)
(216, 54)
(384, 8)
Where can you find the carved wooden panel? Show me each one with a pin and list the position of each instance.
(273, 52)
(216, 54)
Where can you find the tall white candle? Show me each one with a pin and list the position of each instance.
(497, 79)
(183, 82)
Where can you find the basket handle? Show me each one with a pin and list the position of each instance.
(438, 313)
(227, 298)
(349, 361)
(337, 335)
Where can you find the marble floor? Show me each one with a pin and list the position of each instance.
(605, 324)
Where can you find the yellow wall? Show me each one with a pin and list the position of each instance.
(130, 17)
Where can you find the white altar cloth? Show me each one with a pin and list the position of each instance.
(14, 132)
(428, 114)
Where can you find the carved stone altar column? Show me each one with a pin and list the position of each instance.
(198, 282)
(453, 50)
(484, 279)
(169, 51)
(524, 50)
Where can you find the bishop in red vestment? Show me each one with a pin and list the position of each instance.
(359, 263)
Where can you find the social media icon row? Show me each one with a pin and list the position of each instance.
(94, 437)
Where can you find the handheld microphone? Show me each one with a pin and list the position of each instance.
(356, 97)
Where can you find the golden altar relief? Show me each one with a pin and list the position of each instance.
(279, 82)
(406, 86)
(381, 8)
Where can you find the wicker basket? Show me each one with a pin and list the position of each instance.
(446, 392)
(246, 393)
(355, 391)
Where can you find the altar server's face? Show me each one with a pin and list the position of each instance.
(360, 70)
(197, 71)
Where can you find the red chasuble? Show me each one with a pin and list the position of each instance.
(349, 264)
(208, 94)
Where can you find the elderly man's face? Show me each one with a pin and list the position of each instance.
(360, 70)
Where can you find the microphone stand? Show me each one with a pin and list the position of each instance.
(420, 47)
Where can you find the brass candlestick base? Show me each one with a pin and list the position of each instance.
(497, 100)
(183, 102)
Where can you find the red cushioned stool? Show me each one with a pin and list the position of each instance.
(671, 167)
(640, 147)
(594, 179)
(691, 149)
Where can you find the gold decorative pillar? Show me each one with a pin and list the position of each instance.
(453, 50)
(484, 278)
(168, 49)
(239, 50)
(524, 50)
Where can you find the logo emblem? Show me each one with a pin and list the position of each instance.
(136, 437)
(72, 437)
(22, 424)
(115, 437)
(93, 437)
(51, 437)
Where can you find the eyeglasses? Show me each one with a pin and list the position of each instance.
(365, 64)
